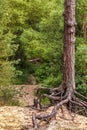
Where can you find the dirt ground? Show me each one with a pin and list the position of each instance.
(26, 94)
(16, 118)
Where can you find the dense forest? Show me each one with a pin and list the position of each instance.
(31, 43)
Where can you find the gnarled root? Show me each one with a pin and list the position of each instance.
(74, 101)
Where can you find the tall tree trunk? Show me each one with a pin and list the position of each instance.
(69, 45)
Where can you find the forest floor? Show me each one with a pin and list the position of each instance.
(17, 117)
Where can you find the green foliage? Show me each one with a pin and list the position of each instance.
(6, 48)
(81, 65)
(81, 16)
(34, 29)
(42, 37)
(39, 41)
(45, 101)
(8, 96)
(81, 46)
(46, 73)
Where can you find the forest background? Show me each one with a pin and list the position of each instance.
(31, 43)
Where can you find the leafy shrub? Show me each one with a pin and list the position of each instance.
(81, 66)
(8, 96)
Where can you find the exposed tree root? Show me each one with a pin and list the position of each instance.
(74, 101)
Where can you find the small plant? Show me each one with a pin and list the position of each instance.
(8, 96)
(45, 101)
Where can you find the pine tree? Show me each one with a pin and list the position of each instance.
(66, 93)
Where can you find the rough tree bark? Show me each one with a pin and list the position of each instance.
(69, 45)
(65, 93)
